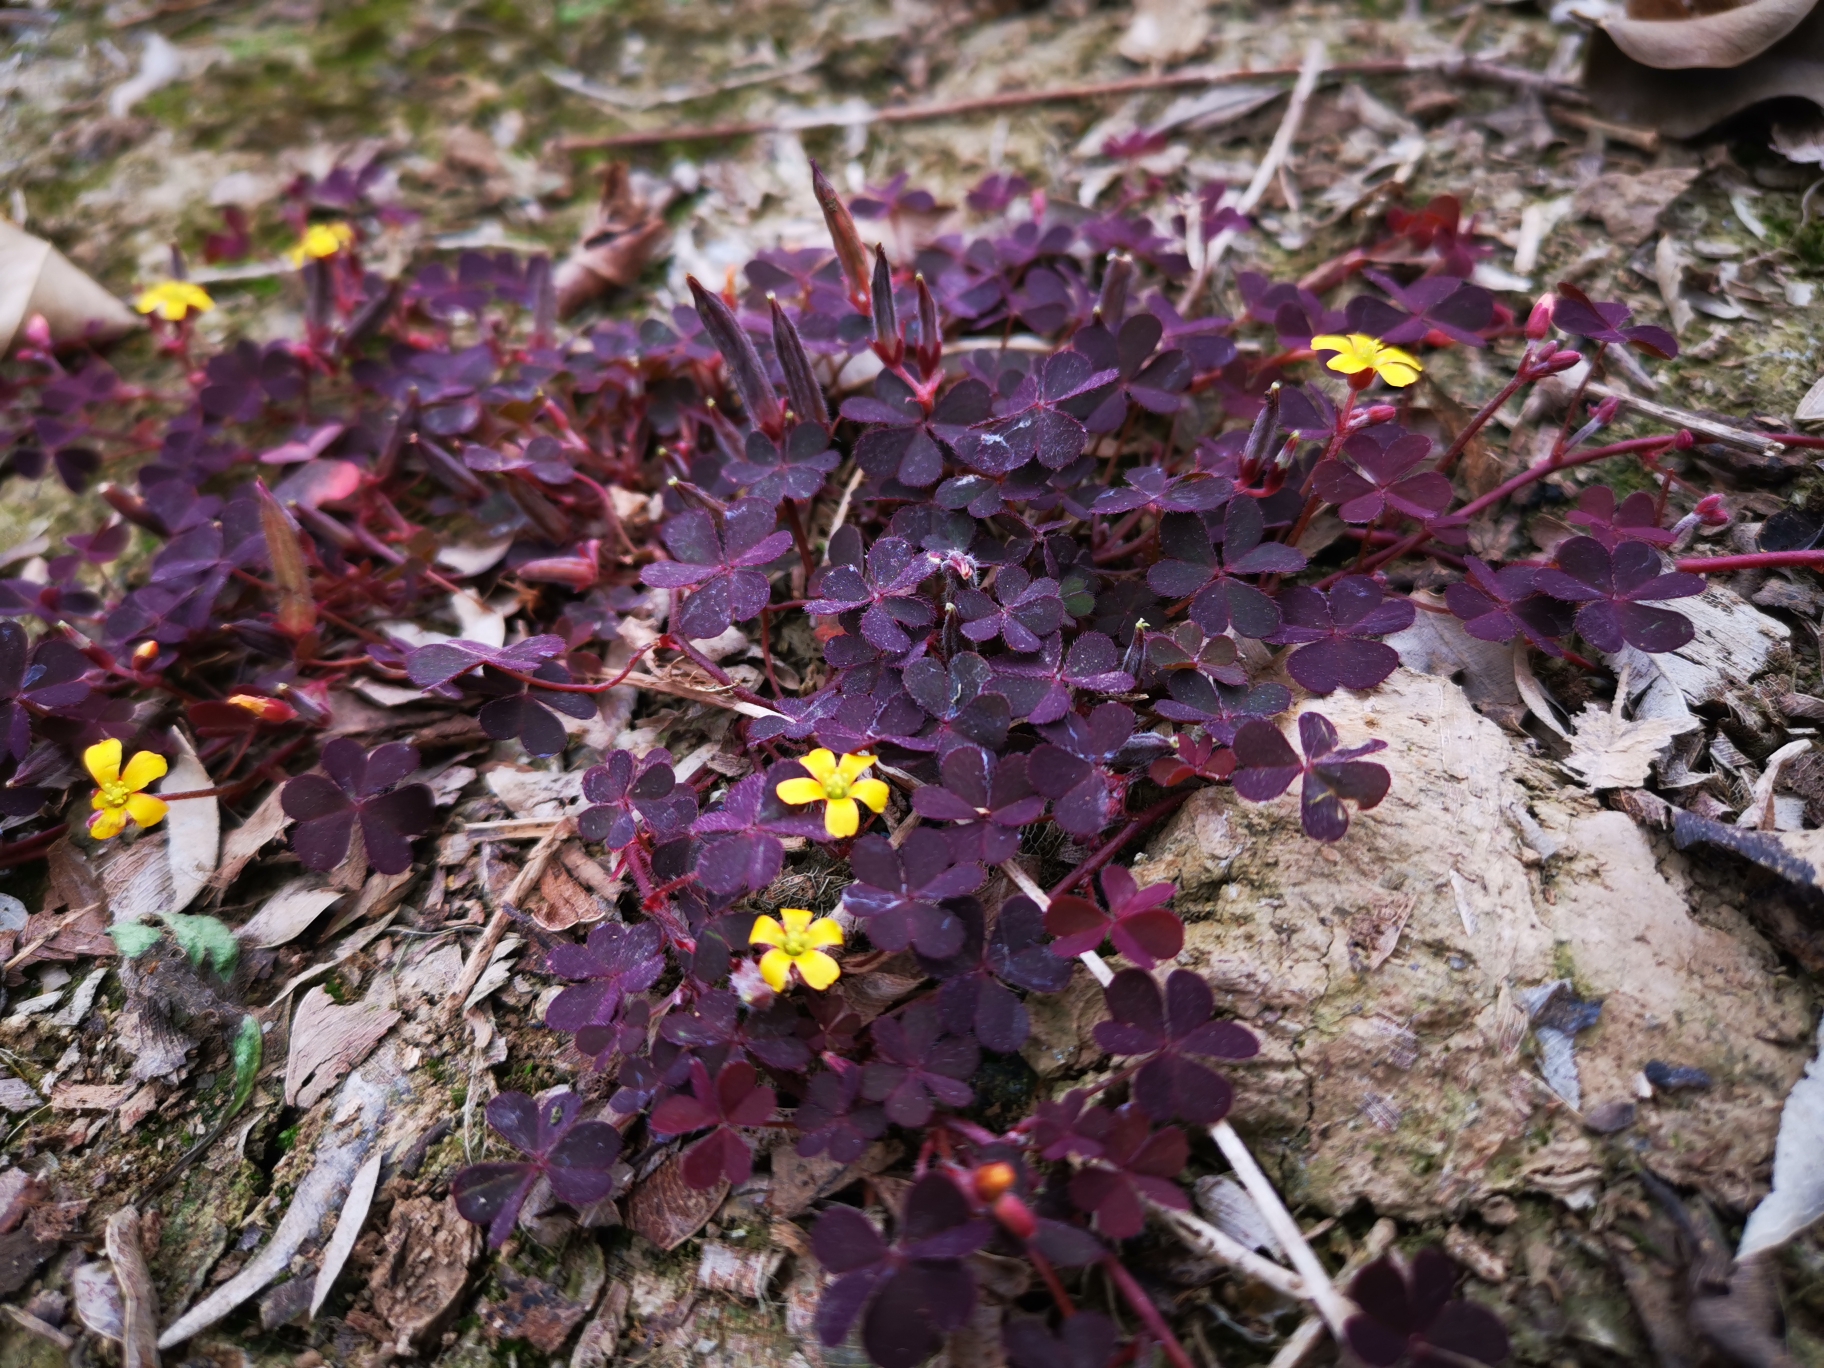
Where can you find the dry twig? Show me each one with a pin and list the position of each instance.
(138, 1298)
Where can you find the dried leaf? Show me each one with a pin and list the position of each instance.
(267, 823)
(287, 913)
(1669, 36)
(327, 1041)
(193, 827)
(1797, 1198)
(418, 1280)
(563, 902)
(623, 237)
(1609, 751)
(36, 278)
(1629, 205)
(362, 1105)
(348, 1227)
(667, 1210)
(1163, 32)
(297, 607)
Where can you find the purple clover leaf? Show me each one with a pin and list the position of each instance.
(740, 856)
(1085, 1340)
(626, 791)
(1029, 610)
(1171, 1027)
(734, 1099)
(1041, 687)
(1409, 1315)
(1385, 455)
(1267, 765)
(1578, 314)
(1149, 487)
(1334, 633)
(576, 1157)
(1137, 1165)
(910, 1295)
(616, 961)
(1190, 568)
(918, 1066)
(832, 1119)
(1613, 590)
(899, 894)
(1154, 383)
(717, 564)
(1494, 605)
(358, 786)
(877, 590)
(793, 469)
(977, 998)
(905, 445)
(520, 710)
(988, 798)
(1636, 518)
(1443, 304)
(954, 695)
(1136, 921)
(1073, 767)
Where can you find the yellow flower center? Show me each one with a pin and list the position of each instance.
(115, 795)
(796, 943)
(836, 786)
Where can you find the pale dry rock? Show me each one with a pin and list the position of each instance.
(1268, 922)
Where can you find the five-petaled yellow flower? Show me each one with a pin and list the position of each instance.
(174, 300)
(117, 794)
(797, 945)
(1362, 357)
(836, 780)
(322, 240)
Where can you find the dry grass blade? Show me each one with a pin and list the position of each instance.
(139, 1299)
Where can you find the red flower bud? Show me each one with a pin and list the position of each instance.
(1684, 441)
(1539, 321)
(266, 709)
(1711, 511)
(991, 1180)
(144, 654)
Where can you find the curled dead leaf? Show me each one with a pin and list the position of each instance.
(36, 278)
(1675, 36)
(622, 237)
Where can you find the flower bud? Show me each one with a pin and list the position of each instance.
(1539, 321)
(1711, 511)
(313, 709)
(578, 571)
(1684, 441)
(38, 332)
(144, 654)
(272, 710)
(991, 1180)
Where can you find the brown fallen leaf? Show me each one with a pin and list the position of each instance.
(327, 1041)
(532, 1310)
(1610, 751)
(239, 846)
(423, 1269)
(623, 236)
(562, 902)
(1631, 92)
(36, 278)
(1629, 206)
(667, 1210)
(1674, 36)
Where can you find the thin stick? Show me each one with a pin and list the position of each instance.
(665, 686)
(1331, 1304)
(1206, 1239)
(497, 924)
(1308, 1335)
(1765, 444)
(842, 512)
(1309, 73)
(1448, 64)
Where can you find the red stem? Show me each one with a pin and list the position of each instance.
(1487, 411)
(1114, 847)
(32, 847)
(1148, 1313)
(1759, 560)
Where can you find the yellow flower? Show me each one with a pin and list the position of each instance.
(796, 945)
(837, 781)
(174, 300)
(117, 795)
(322, 240)
(1360, 354)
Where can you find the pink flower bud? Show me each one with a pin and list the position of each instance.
(38, 332)
(1605, 411)
(1684, 441)
(1711, 511)
(1539, 321)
